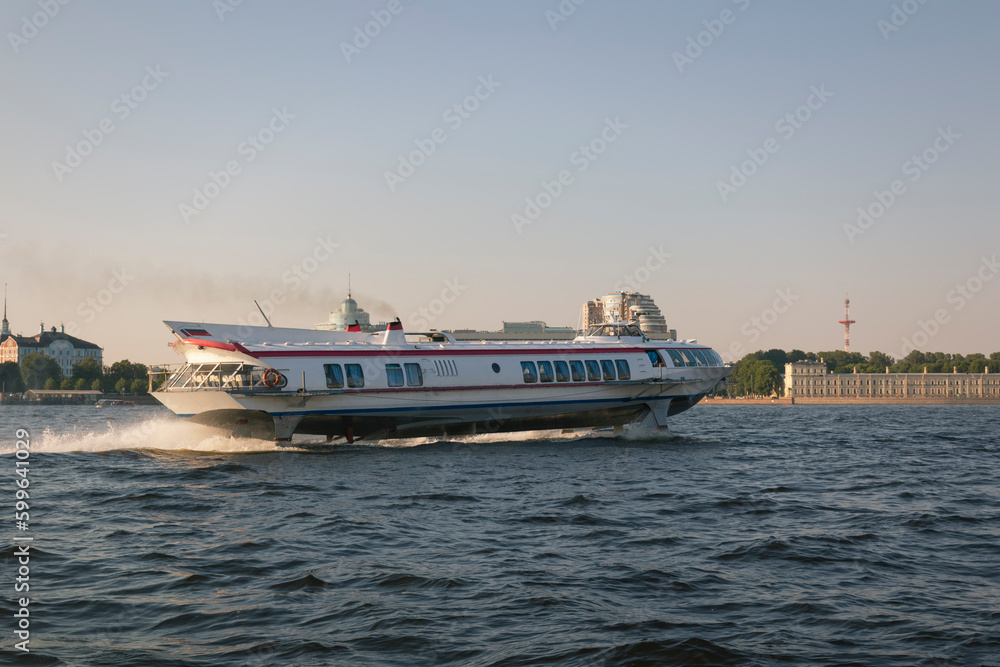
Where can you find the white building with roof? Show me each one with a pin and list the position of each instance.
(348, 314)
(65, 349)
(628, 307)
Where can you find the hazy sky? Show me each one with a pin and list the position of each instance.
(715, 154)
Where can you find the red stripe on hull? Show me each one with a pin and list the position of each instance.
(210, 343)
(551, 352)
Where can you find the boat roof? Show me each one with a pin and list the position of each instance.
(272, 341)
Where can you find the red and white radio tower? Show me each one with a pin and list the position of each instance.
(847, 322)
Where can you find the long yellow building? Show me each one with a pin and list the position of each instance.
(810, 379)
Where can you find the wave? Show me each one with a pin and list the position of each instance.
(170, 433)
(157, 433)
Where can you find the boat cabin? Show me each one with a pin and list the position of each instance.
(616, 330)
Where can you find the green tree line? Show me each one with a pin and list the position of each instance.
(760, 373)
(40, 371)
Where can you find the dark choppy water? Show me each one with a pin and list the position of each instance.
(750, 536)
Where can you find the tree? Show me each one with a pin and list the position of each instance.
(50, 384)
(766, 378)
(96, 385)
(121, 385)
(777, 357)
(159, 378)
(138, 387)
(66, 384)
(912, 363)
(11, 381)
(738, 377)
(975, 363)
(127, 371)
(880, 360)
(80, 385)
(799, 355)
(838, 361)
(87, 369)
(754, 377)
(37, 368)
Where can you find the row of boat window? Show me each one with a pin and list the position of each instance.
(397, 375)
(687, 357)
(606, 369)
(575, 371)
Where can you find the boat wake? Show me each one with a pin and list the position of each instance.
(170, 434)
(484, 438)
(161, 433)
(632, 432)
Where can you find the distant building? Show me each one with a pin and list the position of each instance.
(638, 307)
(62, 396)
(809, 379)
(534, 330)
(65, 349)
(349, 313)
(628, 307)
(535, 326)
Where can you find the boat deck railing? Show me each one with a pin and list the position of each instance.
(220, 376)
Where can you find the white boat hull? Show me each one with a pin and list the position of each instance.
(455, 388)
(433, 413)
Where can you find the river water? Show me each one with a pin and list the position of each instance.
(747, 535)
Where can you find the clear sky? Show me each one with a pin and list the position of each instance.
(715, 154)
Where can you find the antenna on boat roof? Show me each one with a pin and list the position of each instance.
(262, 313)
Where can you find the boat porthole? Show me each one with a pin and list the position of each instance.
(496, 368)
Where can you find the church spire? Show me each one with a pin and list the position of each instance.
(6, 325)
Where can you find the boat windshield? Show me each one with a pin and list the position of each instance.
(618, 329)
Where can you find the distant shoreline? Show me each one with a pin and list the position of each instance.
(17, 399)
(851, 401)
